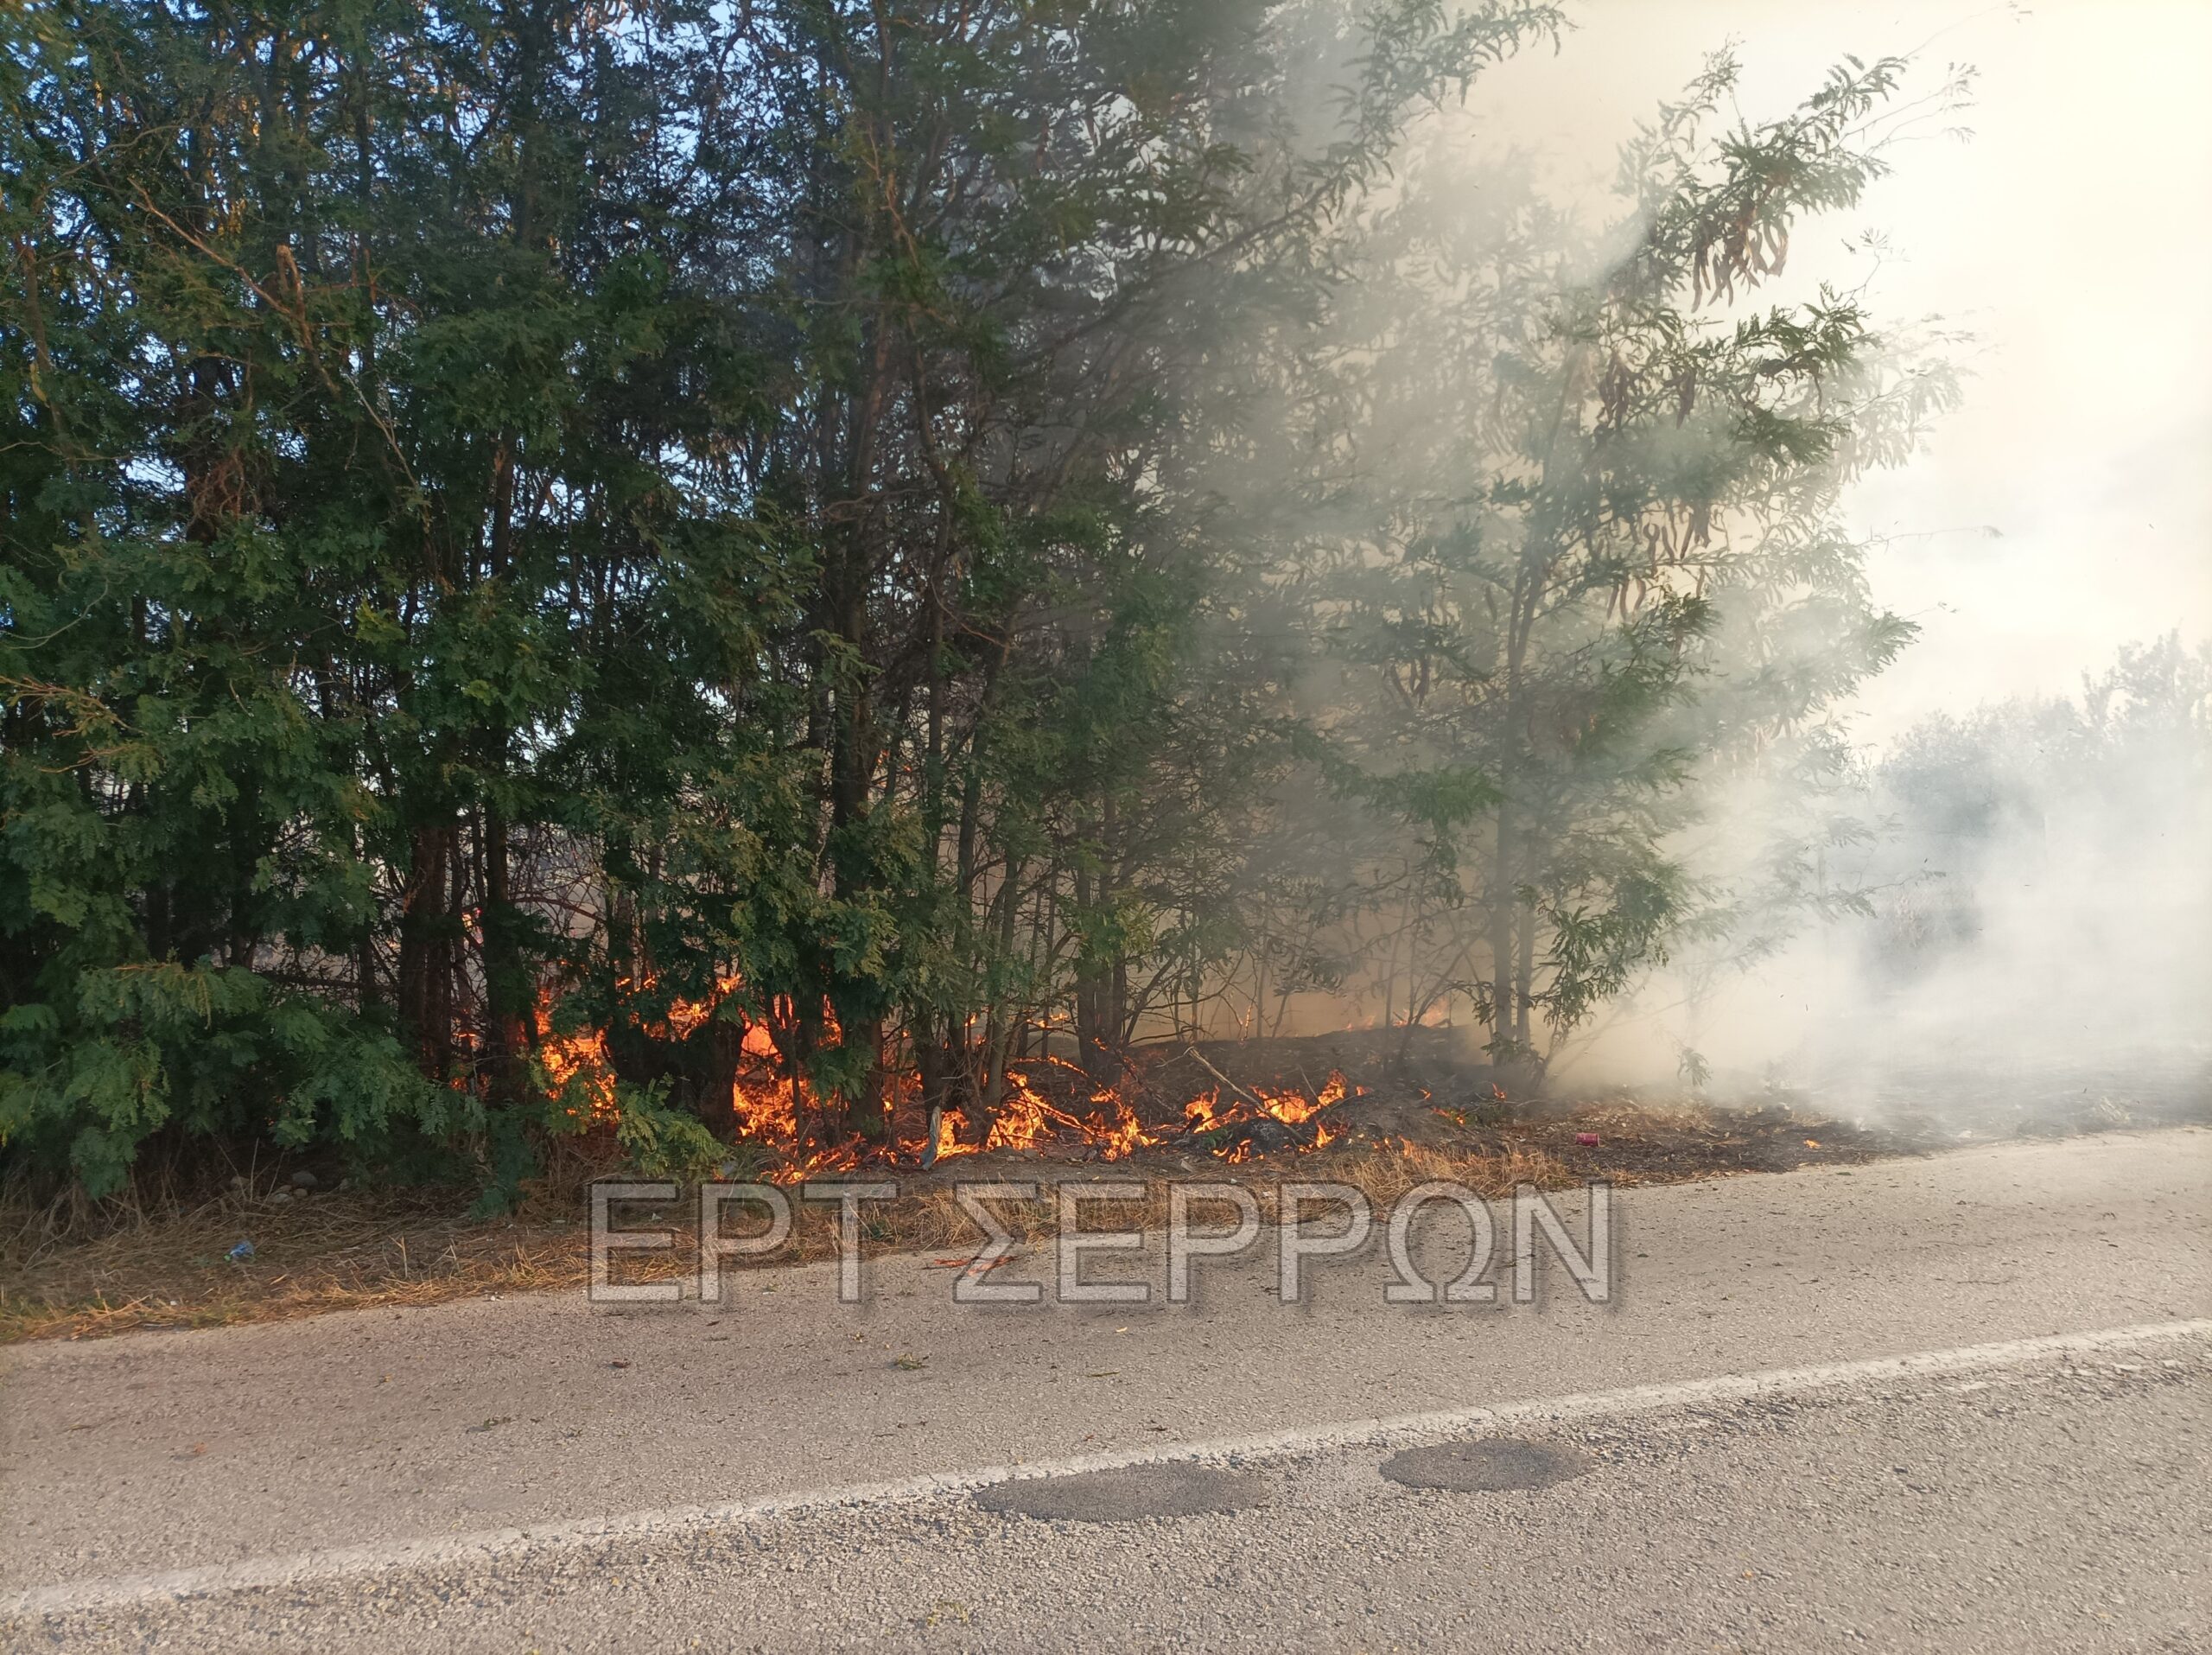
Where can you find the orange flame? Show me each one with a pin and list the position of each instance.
(770, 1108)
(566, 1056)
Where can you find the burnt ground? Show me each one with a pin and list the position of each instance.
(1420, 1087)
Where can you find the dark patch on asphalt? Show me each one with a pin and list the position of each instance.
(1128, 1494)
(1486, 1465)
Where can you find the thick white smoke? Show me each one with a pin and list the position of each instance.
(2023, 935)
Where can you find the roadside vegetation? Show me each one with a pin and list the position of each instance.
(688, 586)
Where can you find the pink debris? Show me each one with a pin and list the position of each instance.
(1587, 1140)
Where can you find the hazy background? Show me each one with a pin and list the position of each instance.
(2071, 234)
(2059, 957)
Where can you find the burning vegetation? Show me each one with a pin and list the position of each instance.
(1045, 1105)
(631, 759)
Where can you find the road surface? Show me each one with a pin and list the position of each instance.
(1962, 1402)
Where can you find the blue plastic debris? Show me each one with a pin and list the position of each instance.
(240, 1253)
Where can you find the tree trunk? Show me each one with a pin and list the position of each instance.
(425, 986)
(1502, 999)
(508, 988)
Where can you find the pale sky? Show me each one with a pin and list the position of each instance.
(2072, 234)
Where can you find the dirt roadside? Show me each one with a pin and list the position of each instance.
(271, 1248)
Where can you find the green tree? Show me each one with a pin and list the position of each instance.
(1584, 555)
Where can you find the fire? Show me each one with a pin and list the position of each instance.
(566, 1056)
(1286, 1108)
(773, 1108)
(769, 1111)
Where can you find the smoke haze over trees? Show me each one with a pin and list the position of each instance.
(931, 531)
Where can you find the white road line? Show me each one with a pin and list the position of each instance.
(122, 1591)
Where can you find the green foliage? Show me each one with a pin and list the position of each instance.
(519, 519)
(1588, 572)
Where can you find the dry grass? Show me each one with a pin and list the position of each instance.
(71, 1269)
(313, 1254)
(341, 1250)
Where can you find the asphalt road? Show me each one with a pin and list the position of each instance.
(787, 1473)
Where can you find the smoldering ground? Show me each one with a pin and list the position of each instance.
(2014, 929)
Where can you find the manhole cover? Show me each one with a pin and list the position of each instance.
(1486, 1463)
(1128, 1494)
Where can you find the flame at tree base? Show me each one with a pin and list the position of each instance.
(781, 1113)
